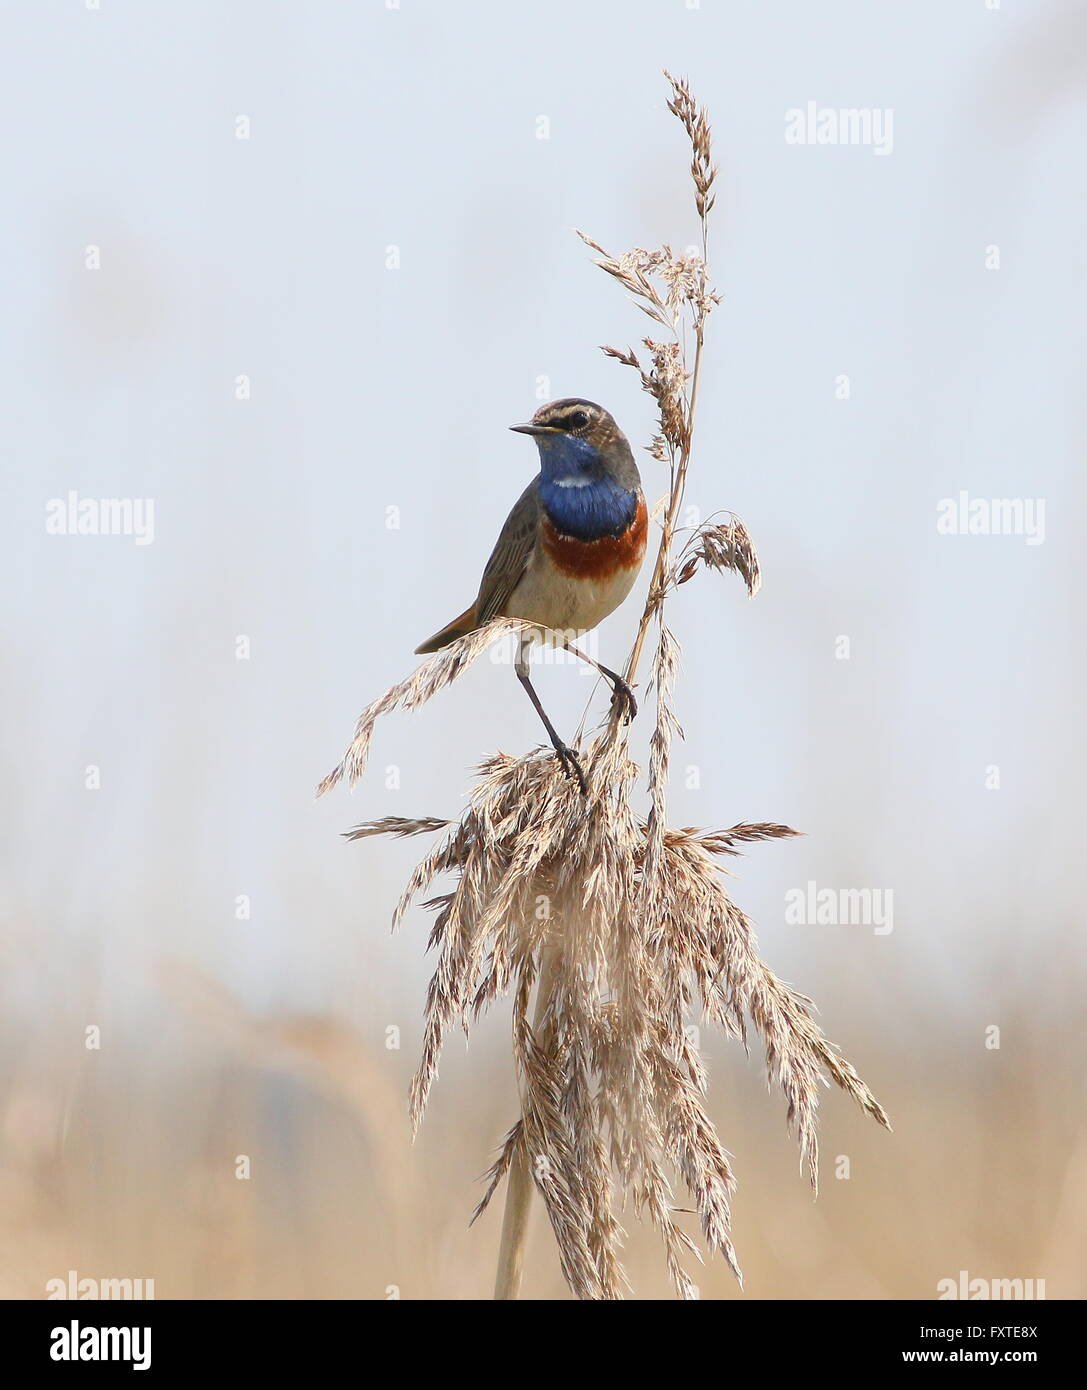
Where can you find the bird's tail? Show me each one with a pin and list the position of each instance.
(459, 627)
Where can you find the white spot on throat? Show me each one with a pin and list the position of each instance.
(575, 480)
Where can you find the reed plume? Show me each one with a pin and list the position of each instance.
(609, 929)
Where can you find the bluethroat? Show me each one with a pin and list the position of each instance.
(570, 550)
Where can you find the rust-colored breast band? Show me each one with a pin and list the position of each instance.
(598, 559)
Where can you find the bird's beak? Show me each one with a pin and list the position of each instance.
(530, 427)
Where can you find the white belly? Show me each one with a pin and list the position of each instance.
(565, 602)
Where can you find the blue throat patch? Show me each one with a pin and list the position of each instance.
(581, 498)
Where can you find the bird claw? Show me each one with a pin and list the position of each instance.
(623, 704)
(571, 766)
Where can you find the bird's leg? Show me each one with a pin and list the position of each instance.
(622, 697)
(565, 755)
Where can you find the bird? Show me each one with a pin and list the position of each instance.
(570, 549)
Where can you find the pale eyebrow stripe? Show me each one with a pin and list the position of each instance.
(563, 415)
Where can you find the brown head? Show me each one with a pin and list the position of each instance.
(575, 431)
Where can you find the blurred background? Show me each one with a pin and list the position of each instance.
(289, 271)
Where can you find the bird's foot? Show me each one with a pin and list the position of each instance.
(624, 705)
(570, 765)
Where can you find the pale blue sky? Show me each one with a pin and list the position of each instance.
(373, 388)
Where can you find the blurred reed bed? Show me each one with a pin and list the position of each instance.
(124, 1167)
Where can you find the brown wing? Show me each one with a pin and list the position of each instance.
(510, 556)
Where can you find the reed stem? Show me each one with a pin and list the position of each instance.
(515, 1219)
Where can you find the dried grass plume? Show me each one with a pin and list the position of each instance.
(610, 930)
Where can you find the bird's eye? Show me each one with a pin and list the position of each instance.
(578, 420)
